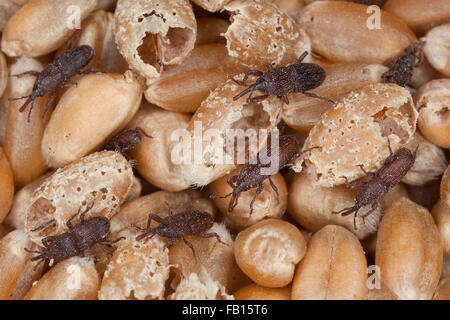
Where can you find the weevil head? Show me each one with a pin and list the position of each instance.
(86, 53)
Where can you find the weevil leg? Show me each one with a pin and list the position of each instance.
(49, 104)
(244, 92)
(85, 211)
(29, 111)
(346, 211)
(298, 154)
(111, 242)
(41, 259)
(168, 208)
(389, 147)
(243, 83)
(274, 187)
(28, 73)
(213, 196)
(302, 57)
(210, 235)
(14, 99)
(352, 185)
(42, 226)
(258, 191)
(192, 248)
(26, 103)
(258, 98)
(69, 222)
(147, 235)
(367, 173)
(368, 213)
(238, 82)
(233, 202)
(313, 95)
(32, 251)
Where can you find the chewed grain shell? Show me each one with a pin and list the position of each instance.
(356, 132)
(216, 115)
(102, 178)
(260, 34)
(153, 33)
(138, 270)
(200, 287)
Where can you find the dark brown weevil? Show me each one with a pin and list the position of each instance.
(126, 140)
(56, 75)
(402, 68)
(180, 225)
(393, 170)
(279, 81)
(250, 176)
(75, 241)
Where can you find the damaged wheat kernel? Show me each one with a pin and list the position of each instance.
(151, 34)
(102, 179)
(138, 271)
(356, 132)
(217, 114)
(260, 34)
(199, 287)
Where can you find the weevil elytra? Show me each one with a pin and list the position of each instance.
(391, 173)
(279, 81)
(76, 241)
(56, 75)
(180, 225)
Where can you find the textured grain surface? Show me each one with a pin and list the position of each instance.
(138, 270)
(279, 40)
(153, 33)
(102, 178)
(356, 132)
